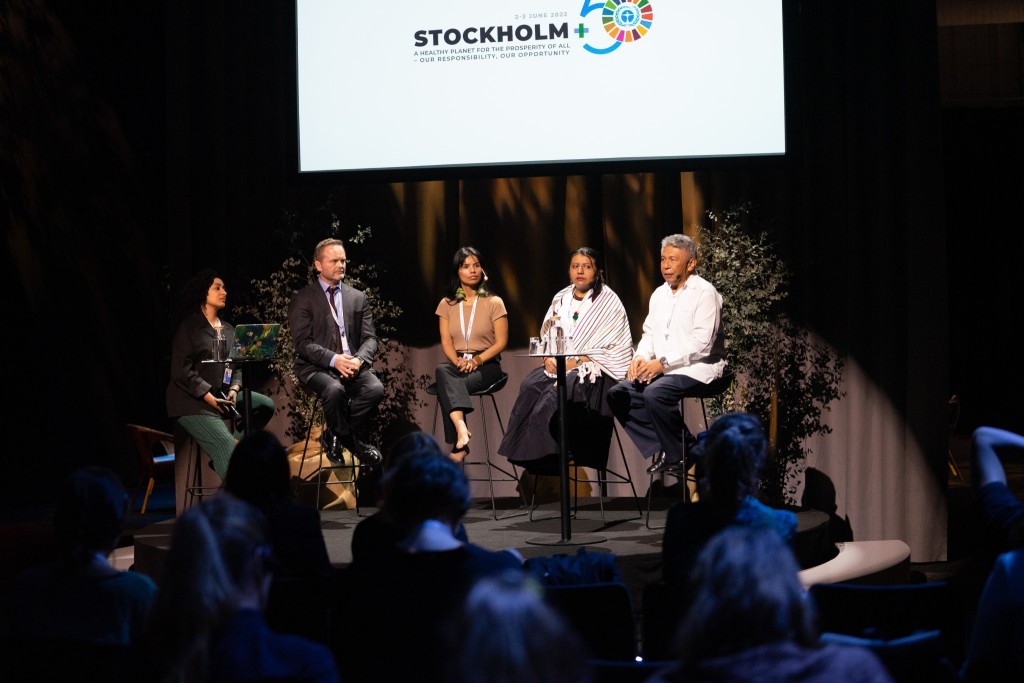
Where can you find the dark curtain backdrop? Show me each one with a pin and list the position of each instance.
(151, 139)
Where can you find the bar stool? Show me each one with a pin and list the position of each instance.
(604, 477)
(352, 464)
(492, 468)
(195, 456)
(607, 476)
(702, 392)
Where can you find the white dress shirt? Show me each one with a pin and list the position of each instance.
(685, 328)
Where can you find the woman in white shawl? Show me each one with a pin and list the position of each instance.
(591, 315)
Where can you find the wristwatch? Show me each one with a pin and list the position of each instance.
(664, 362)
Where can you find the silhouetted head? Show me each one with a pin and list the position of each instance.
(393, 437)
(423, 483)
(219, 561)
(732, 454)
(258, 471)
(89, 516)
(507, 633)
(745, 591)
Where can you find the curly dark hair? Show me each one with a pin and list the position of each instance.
(193, 294)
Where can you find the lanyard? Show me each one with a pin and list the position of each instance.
(462, 320)
(339, 318)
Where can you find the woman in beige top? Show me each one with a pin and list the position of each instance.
(474, 331)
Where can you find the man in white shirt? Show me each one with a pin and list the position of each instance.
(683, 346)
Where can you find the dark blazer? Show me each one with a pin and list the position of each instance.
(315, 333)
(245, 649)
(190, 377)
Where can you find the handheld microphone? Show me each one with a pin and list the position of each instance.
(230, 407)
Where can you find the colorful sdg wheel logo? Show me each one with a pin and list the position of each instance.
(627, 21)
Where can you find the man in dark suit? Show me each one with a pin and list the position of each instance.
(335, 342)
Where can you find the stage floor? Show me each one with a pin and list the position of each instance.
(623, 530)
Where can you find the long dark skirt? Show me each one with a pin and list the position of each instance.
(531, 439)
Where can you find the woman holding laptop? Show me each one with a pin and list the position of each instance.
(203, 391)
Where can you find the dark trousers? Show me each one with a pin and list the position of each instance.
(454, 388)
(348, 404)
(650, 413)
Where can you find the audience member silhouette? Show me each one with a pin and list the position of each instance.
(995, 650)
(79, 616)
(259, 474)
(750, 620)
(399, 595)
(507, 633)
(299, 594)
(730, 458)
(207, 623)
(380, 528)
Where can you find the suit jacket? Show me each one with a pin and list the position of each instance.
(190, 377)
(315, 333)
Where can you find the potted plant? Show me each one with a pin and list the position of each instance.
(270, 297)
(782, 373)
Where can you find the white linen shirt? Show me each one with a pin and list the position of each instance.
(685, 329)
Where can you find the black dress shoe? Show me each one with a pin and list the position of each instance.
(330, 447)
(663, 464)
(658, 464)
(679, 467)
(368, 456)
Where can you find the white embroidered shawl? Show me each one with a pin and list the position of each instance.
(601, 331)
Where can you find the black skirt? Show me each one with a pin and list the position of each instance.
(531, 439)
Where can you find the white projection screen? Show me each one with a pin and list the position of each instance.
(568, 85)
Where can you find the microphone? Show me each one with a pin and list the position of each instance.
(230, 407)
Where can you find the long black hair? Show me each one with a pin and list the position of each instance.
(595, 256)
(454, 284)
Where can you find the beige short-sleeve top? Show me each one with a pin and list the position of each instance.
(481, 337)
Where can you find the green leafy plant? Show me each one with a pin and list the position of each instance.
(271, 296)
(782, 374)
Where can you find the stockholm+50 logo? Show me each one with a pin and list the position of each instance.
(623, 21)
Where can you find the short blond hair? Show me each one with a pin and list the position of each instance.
(323, 244)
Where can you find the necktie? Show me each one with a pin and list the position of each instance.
(331, 291)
